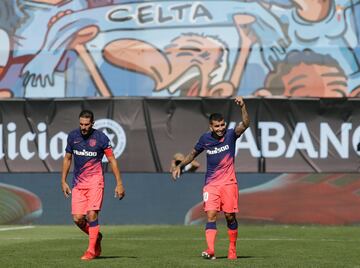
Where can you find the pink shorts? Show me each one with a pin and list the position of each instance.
(221, 197)
(84, 200)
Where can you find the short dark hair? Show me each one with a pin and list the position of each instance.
(87, 114)
(215, 117)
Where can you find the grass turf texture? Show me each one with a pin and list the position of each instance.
(181, 246)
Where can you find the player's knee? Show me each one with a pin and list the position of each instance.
(92, 215)
(230, 217)
(211, 217)
(79, 221)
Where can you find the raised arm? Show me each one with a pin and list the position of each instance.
(244, 124)
(176, 171)
(247, 39)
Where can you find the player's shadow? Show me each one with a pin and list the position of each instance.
(239, 257)
(117, 257)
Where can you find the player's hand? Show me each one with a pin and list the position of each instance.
(66, 189)
(176, 171)
(239, 101)
(119, 191)
(172, 166)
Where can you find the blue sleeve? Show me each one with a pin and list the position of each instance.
(199, 146)
(105, 142)
(68, 148)
(233, 134)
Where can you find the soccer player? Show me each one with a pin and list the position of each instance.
(220, 192)
(88, 147)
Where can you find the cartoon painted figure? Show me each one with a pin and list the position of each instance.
(172, 68)
(20, 43)
(11, 17)
(326, 27)
(70, 44)
(307, 74)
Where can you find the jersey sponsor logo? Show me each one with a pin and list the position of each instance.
(115, 133)
(85, 153)
(218, 150)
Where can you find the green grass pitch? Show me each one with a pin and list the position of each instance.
(181, 246)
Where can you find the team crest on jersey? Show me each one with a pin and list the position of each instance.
(92, 142)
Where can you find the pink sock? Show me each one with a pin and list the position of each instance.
(210, 238)
(233, 234)
(93, 234)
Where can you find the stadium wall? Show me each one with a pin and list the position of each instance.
(297, 163)
(153, 198)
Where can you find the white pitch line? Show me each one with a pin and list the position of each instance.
(16, 228)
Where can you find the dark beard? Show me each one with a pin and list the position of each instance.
(215, 136)
(87, 135)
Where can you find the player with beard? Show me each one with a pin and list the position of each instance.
(220, 192)
(88, 146)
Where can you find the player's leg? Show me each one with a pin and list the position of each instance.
(95, 198)
(78, 209)
(94, 229)
(81, 222)
(210, 234)
(79, 204)
(211, 206)
(229, 196)
(232, 233)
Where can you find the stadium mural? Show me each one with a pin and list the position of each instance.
(77, 48)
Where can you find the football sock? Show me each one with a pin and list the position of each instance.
(233, 233)
(94, 229)
(210, 234)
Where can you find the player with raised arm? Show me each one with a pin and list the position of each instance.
(88, 147)
(220, 192)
